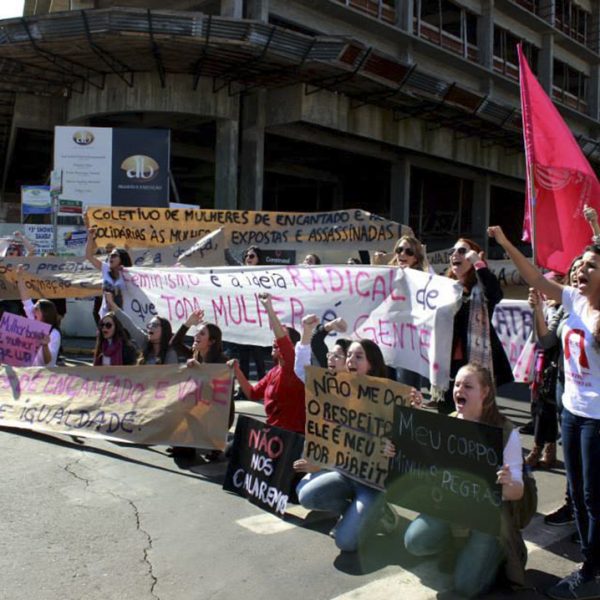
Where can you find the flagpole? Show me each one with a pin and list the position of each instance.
(532, 202)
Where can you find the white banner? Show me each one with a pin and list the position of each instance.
(409, 314)
(513, 322)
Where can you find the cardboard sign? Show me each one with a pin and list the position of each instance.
(346, 418)
(155, 227)
(261, 464)
(167, 404)
(446, 467)
(20, 339)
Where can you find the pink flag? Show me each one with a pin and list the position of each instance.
(560, 180)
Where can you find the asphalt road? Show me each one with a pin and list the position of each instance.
(104, 521)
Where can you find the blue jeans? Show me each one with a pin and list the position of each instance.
(581, 445)
(477, 563)
(359, 505)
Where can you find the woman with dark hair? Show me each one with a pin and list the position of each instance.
(580, 421)
(311, 259)
(154, 341)
(479, 560)
(112, 282)
(207, 348)
(252, 257)
(281, 390)
(474, 338)
(359, 506)
(113, 344)
(45, 311)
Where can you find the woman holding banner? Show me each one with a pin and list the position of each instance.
(482, 554)
(154, 341)
(113, 344)
(475, 339)
(361, 508)
(45, 311)
(409, 254)
(580, 422)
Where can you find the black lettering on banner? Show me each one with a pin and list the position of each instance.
(446, 468)
(261, 464)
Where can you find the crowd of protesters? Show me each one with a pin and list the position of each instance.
(565, 393)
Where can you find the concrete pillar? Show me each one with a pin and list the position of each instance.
(593, 98)
(546, 62)
(232, 8)
(485, 34)
(257, 10)
(481, 210)
(400, 191)
(405, 15)
(253, 118)
(594, 28)
(226, 164)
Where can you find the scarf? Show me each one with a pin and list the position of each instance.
(479, 347)
(113, 350)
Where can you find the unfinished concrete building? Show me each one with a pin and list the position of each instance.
(407, 108)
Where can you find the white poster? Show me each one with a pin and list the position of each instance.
(84, 155)
(409, 314)
(41, 236)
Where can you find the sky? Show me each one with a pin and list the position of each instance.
(11, 8)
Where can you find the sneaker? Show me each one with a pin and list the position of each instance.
(575, 586)
(561, 516)
(389, 520)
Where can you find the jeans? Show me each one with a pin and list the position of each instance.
(477, 562)
(360, 506)
(581, 446)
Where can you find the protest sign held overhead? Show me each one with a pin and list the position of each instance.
(346, 418)
(408, 313)
(19, 339)
(155, 227)
(261, 464)
(446, 468)
(168, 404)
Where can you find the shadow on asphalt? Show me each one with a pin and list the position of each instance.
(210, 476)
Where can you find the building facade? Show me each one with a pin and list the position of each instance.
(407, 108)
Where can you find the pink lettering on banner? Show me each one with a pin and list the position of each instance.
(260, 440)
(190, 391)
(221, 391)
(180, 308)
(20, 339)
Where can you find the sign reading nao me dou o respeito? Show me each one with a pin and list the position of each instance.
(119, 167)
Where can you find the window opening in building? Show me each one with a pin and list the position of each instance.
(507, 210)
(384, 10)
(506, 59)
(570, 86)
(441, 208)
(572, 20)
(448, 25)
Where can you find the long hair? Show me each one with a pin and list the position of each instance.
(375, 358)
(125, 260)
(215, 352)
(595, 248)
(471, 278)
(166, 333)
(344, 344)
(49, 312)
(416, 247)
(120, 334)
(256, 251)
(490, 414)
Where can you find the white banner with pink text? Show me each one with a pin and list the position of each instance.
(409, 314)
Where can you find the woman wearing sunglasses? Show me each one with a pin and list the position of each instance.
(474, 339)
(113, 344)
(154, 340)
(409, 254)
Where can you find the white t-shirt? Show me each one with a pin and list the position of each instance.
(581, 357)
(119, 284)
